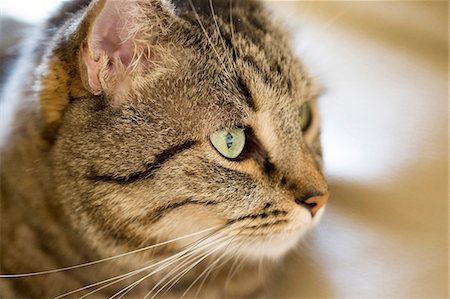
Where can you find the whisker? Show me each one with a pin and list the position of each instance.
(188, 268)
(211, 6)
(260, 266)
(122, 277)
(225, 251)
(231, 21)
(185, 263)
(224, 239)
(172, 280)
(208, 271)
(115, 279)
(209, 39)
(261, 259)
(169, 276)
(321, 31)
(179, 276)
(175, 259)
(193, 248)
(336, 17)
(232, 268)
(19, 275)
(238, 262)
(191, 261)
(236, 269)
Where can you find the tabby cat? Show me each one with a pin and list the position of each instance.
(156, 148)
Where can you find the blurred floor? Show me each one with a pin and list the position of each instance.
(384, 68)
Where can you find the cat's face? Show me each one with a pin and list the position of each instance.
(220, 132)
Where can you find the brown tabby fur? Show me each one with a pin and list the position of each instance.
(87, 175)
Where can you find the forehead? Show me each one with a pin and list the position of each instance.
(230, 71)
(242, 33)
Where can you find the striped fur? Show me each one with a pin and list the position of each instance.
(88, 175)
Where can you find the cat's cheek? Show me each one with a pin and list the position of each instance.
(188, 220)
(303, 218)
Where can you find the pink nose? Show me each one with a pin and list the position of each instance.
(316, 202)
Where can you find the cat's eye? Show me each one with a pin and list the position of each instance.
(229, 142)
(305, 116)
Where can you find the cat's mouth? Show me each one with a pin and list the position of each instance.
(269, 231)
(272, 245)
(260, 235)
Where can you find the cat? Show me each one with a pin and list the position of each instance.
(156, 148)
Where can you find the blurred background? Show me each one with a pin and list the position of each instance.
(383, 66)
(384, 69)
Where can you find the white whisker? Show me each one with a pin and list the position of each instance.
(334, 19)
(115, 279)
(105, 259)
(232, 268)
(211, 6)
(179, 276)
(174, 282)
(231, 21)
(165, 265)
(209, 39)
(122, 277)
(235, 270)
(214, 263)
(171, 260)
(208, 271)
(178, 267)
(173, 278)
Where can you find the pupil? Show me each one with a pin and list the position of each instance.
(229, 140)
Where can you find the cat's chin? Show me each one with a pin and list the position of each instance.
(271, 247)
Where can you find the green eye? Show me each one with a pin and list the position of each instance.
(229, 142)
(305, 116)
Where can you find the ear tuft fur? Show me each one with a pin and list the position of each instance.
(122, 40)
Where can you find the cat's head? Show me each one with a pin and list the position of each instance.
(168, 120)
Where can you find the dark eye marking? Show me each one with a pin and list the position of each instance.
(254, 149)
(150, 169)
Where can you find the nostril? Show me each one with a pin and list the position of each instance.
(303, 203)
(313, 201)
(307, 195)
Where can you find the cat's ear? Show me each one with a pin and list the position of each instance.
(120, 42)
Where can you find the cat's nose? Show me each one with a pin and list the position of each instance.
(313, 201)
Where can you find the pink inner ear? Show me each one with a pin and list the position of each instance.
(93, 70)
(109, 36)
(126, 52)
